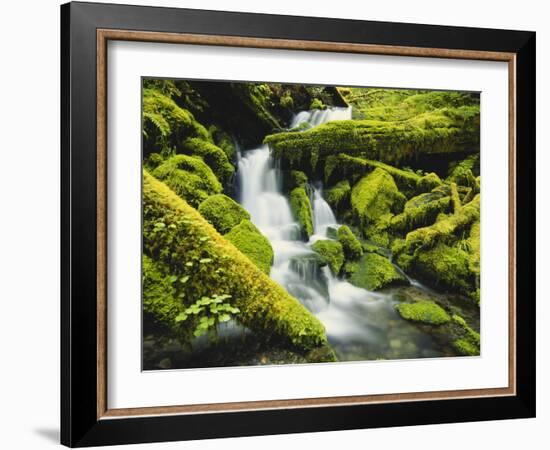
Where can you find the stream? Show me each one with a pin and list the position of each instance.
(360, 324)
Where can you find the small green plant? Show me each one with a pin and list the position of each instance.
(208, 312)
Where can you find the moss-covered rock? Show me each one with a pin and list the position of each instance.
(212, 155)
(338, 196)
(332, 252)
(203, 263)
(423, 311)
(374, 197)
(189, 177)
(466, 340)
(250, 241)
(165, 124)
(351, 245)
(428, 182)
(223, 212)
(446, 267)
(223, 141)
(301, 208)
(297, 179)
(374, 272)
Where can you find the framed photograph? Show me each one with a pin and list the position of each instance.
(277, 224)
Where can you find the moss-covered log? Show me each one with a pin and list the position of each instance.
(445, 131)
(200, 262)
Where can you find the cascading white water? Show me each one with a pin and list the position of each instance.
(357, 321)
(323, 217)
(320, 116)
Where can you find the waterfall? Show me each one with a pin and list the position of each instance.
(323, 217)
(320, 116)
(359, 323)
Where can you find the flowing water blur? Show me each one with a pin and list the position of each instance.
(360, 325)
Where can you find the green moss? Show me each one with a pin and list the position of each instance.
(423, 311)
(223, 212)
(350, 244)
(402, 104)
(301, 208)
(374, 272)
(466, 340)
(178, 237)
(375, 196)
(298, 179)
(455, 198)
(159, 295)
(223, 141)
(212, 155)
(443, 230)
(332, 252)
(317, 104)
(428, 182)
(165, 124)
(347, 167)
(189, 177)
(420, 211)
(462, 176)
(447, 131)
(465, 347)
(446, 267)
(338, 196)
(250, 241)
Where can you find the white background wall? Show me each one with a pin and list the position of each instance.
(29, 224)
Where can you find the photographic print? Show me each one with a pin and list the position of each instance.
(291, 223)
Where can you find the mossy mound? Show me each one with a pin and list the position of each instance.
(445, 267)
(201, 262)
(250, 241)
(223, 212)
(297, 179)
(189, 177)
(212, 155)
(332, 253)
(165, 124)
(301, 208)
(351, 245)
(423, 311)
(428, 182)
(338, 196)
(375, 196)
(374, 272)
(466, 340)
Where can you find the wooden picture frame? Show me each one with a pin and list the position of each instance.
(86, 418)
